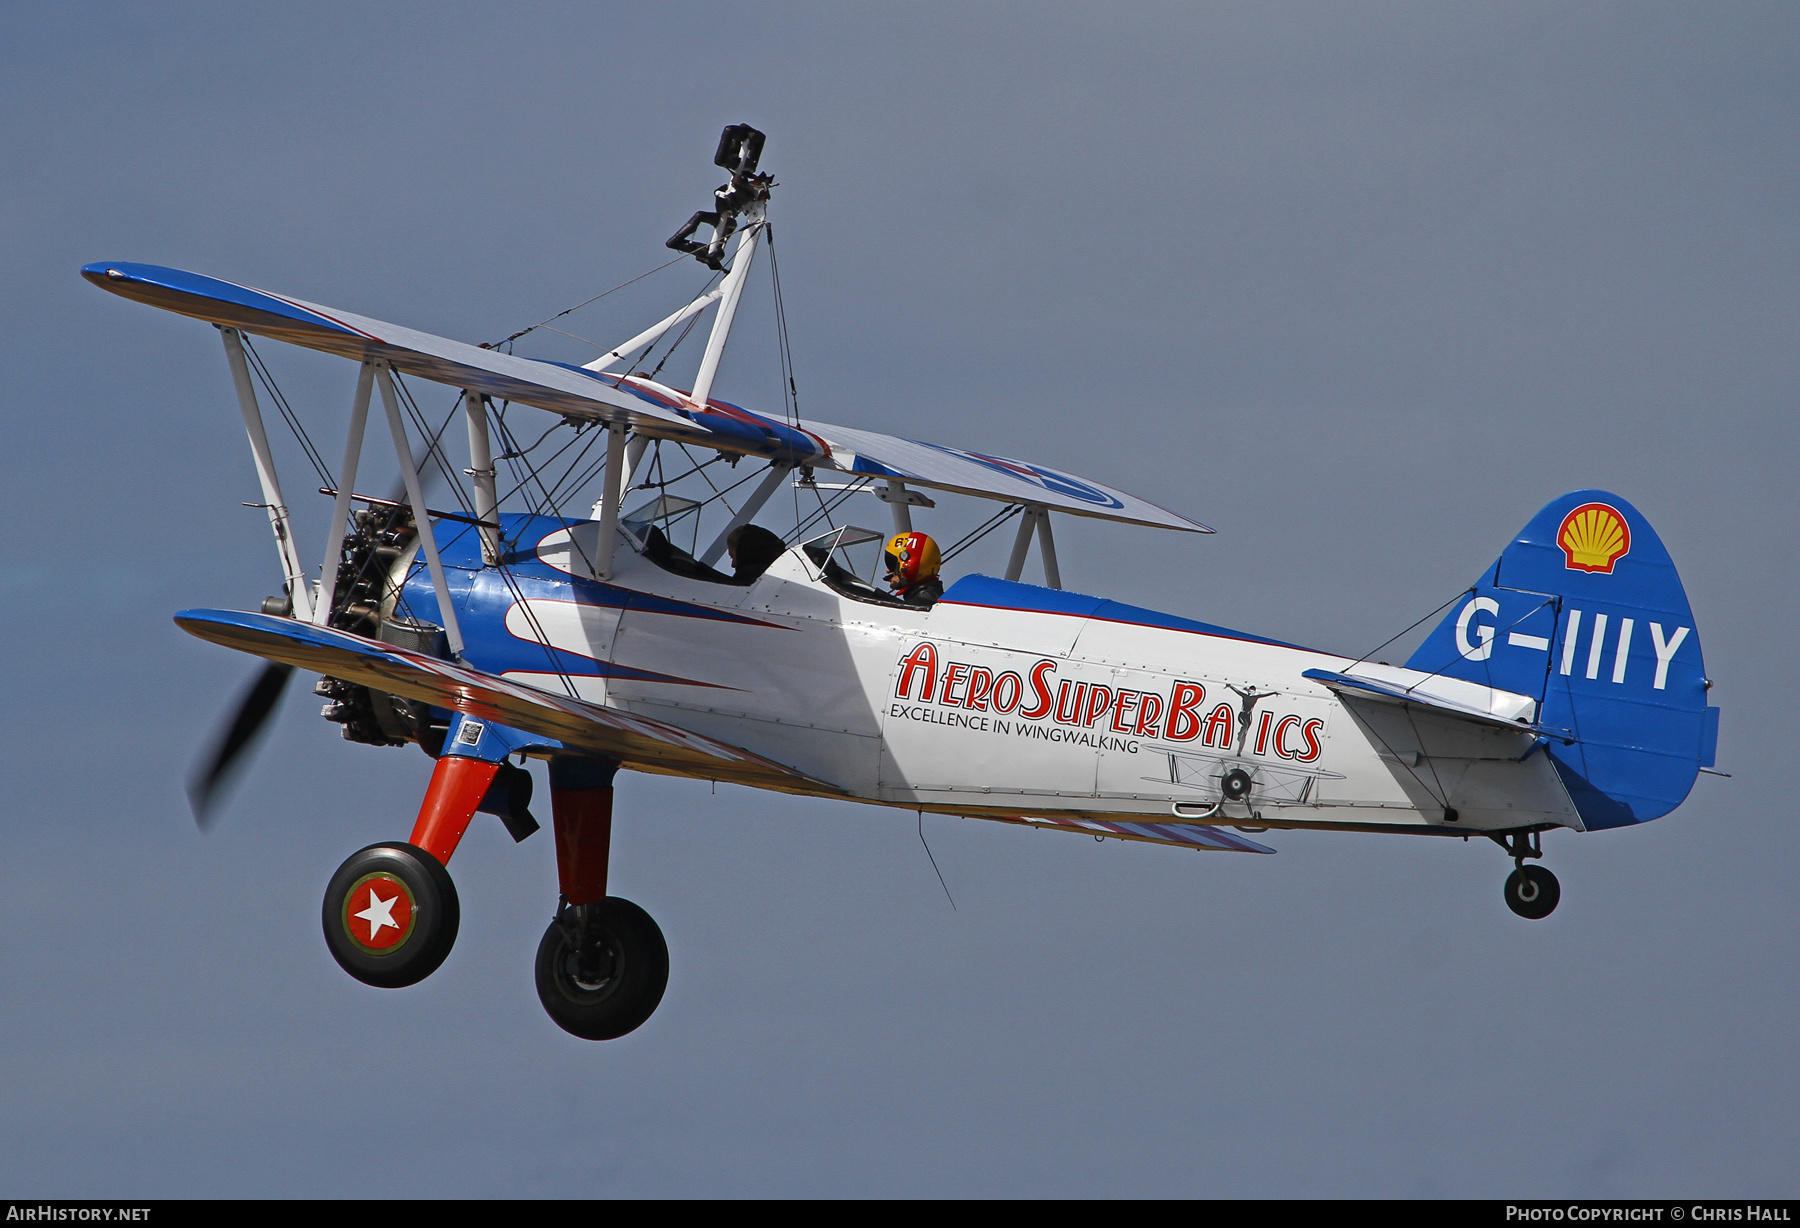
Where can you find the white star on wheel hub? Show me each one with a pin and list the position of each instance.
(380, 912)
(386, 915)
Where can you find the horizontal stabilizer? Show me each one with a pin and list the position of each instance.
(1503, 710)
(636, 741)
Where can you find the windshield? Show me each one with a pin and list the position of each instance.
(834, 554)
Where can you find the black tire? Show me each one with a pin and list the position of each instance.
(359, 938)
(637, 967)
(1532, 892)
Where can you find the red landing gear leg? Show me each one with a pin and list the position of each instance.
(602, 965)
(391, 912)
(458, 784)
(581, 795)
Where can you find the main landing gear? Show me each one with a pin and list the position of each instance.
(602, 965)
(391, 913)
(1531, 891)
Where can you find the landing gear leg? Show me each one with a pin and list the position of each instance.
(391, 912)
(602, 965)
(1531, 891)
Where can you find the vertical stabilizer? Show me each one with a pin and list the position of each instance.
(1585, 613)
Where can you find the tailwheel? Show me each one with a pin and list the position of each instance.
(601, 968)
(391, 915)
(1532, 892)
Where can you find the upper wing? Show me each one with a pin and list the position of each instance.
(913, 461)
(990, 477)
(655, 410)
(547, 385)
(635, 740)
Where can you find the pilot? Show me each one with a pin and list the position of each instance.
(912, 569)
(752, 549)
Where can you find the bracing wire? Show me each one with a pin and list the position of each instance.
(287, 413)
(433, 449)
(1547, 601)
(692, 320)
(982, 530)
(578, 306)
(720, 494)
(534, 447)
(826, 508)
(619, 379)
(790, 391)
(569, 479)
(532, 473)
(1390, 639)
(934, 864)
(660, 483)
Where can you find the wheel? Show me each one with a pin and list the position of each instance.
(628, 968)
(391, 915)
(1235, 785)
(1532, 891)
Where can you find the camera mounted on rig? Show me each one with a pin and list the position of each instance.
(740, 147)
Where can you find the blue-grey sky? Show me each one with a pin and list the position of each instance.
(1363, 286)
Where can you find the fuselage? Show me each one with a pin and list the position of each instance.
(1003, 700)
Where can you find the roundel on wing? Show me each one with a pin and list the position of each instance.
(1036, 475)
(1593, 538)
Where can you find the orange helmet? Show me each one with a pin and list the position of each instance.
(910, 558)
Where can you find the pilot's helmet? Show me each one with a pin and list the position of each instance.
(910, 558)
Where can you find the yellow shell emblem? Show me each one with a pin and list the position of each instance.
(1593, 537)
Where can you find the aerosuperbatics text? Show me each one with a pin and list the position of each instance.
(1040, 705)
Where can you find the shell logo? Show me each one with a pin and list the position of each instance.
(1593, 537)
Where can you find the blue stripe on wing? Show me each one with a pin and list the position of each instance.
(179, 290)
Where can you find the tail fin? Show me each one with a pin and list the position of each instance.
(1584, 612)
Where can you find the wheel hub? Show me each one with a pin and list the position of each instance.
(379, 911)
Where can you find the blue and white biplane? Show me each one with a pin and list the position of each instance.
(1563, 689)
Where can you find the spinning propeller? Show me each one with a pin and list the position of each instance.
(234, 739)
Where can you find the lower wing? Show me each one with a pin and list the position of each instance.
(636, 741)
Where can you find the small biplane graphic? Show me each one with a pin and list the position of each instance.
(1563, 689)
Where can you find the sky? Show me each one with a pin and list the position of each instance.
(1361, 286)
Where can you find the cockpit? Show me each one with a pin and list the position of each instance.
(835, 554)
(831, 554)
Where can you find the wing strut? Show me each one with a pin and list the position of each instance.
(731, 289)
(1036, 518)
(421, 517)
(896, 501)
(654, 332)
(1047, 550)
(611, 494)
(777, 471)
(481, 475)
(634, 456)
(299, 592)
(340, 508)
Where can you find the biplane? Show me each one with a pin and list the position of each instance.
(1563, 689)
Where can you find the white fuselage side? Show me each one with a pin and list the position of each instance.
(991, 711)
